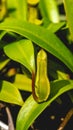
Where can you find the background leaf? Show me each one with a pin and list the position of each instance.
(9, 93)
(68, 4)
(22, 82)
(17, 9)
(21, 9)
(49, 10)
(3, 63)
(22, 51)
(54, 27)
(42, 37)
(31, 109)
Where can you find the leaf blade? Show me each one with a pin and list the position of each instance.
(49, 10)
(9, 93)
(31, 109)
(21, 51)
(46, 39)
(68, 4)
(22, 82)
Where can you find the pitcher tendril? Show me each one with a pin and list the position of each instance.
(40, 82)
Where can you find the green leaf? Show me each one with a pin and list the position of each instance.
(68, 4)
(49, 10)
(17, 9)
(54, 27)
(31, 109)
(10, 94)
(21, 9)
(54, 66)
(2, 34)
(11, 6)
(4, 63)
(42, 37)
(21, 51)
(22, 82)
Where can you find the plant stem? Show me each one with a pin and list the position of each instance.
(10, 121)
(67, 118)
